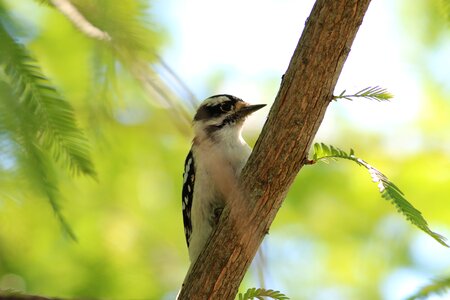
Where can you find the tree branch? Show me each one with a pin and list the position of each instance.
(280, 152)
(72, 13)
(141, 70)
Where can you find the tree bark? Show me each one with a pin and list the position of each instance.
(281, 150)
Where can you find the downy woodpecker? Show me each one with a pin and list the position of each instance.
(218, 150)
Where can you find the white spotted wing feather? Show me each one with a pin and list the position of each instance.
(187, 194)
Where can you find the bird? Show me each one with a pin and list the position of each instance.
(213, 164)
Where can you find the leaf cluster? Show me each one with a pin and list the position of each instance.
(38, 123)
(388, 189)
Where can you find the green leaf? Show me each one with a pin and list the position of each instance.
(388, 190)
(39, 124)
(372, 93)
(56, 129)
(253, 293)
(47, 182)
(19, 131)
(438, 287)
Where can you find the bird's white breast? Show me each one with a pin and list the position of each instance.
(219, 163)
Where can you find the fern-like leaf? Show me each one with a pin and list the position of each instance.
(438, 287)
(19, 130)
(45, 180)
(388, 190)
(57, 130)
(372, 93)
(254, 293)
(38, 123)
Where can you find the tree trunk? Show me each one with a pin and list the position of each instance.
(281, 150)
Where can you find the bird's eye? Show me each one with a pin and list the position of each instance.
(225, 107)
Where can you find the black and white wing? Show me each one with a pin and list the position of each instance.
(187, 194)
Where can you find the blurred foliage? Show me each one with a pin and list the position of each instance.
(427, 24)
(118, 219)
(438, 287)
(333, 238)
(37, 123)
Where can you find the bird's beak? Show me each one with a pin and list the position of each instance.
(249, 109)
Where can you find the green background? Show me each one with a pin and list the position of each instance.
(334, 237)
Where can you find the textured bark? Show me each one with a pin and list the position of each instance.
(281, 150)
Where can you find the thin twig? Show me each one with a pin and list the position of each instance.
(72, 13)
(192, 99)
(140, 70)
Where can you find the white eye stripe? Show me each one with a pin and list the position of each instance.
(214, 101)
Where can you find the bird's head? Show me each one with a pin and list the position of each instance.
(222, 114)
